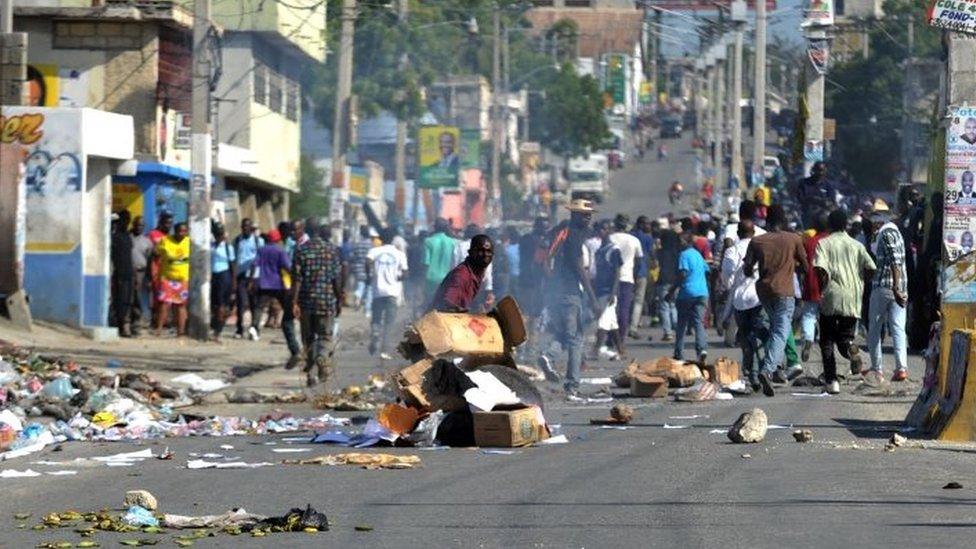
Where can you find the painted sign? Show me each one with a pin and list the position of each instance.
(615, 80)
(470, 148)
(358, 183)
(440, 162)
(818, 13)
(954, 15)
(959, 220)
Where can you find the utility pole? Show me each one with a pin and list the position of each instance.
(908, 97)
(341, 126)
(13, 201)
(400, 154)
(736, 167)
(815, 105)
(759, 97)
(496, 111)
(201, 160)
(717, 152)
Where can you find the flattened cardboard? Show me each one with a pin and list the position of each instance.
(645, 386)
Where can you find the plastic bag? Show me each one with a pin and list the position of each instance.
(608, 318)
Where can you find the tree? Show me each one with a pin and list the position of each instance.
(312, 199)
(570, 119)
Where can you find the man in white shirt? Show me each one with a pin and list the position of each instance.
(386, 267)
(745, 302)
(630, 252)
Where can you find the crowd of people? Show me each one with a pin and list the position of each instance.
(771, 281)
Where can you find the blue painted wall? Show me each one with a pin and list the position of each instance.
(54, 283)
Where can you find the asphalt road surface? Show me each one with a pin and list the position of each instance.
(671, 479)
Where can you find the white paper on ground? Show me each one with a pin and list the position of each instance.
(208, 455)
(41, 442)
(718, 431)
(723, 396)
(201, 464)
(13, 473)
(60, 473)
(589, 400)
(229, 447)
(119, 463)
(559, 439)
(668, 426)
(776, 426)
(500, 452)
(489, 392)
(688, 417)
(811, 395)
(597, 380)
(127, 456)
(11, 419)
(199, 384)
(296, 439)
(616, 427)
(290, 450)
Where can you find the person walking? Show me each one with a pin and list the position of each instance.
(246, 250)
(889, 295)
(317, 294)
(667, 259)
(691, 287)
(642, 231)
(632, 255)
(387, 267)
(567, 269)
(606, 284)
(223, 269)
(777, 255)
(438, 257)
(174, 278)
(744, 301)
(842, 264)
(267, 270)
(123, 273)
(811, 287)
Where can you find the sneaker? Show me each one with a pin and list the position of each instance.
(832, 388)
(856, 361)
(767, 385)
(779, 377)
(793, 372)
(703, 357)
(899, 375)
(294, 361)
(252, 332)
(607, 353)
(756, 386)
(545, 365)
(805, 351)
(667, 338)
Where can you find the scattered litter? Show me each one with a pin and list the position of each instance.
(499, 452)
(589, 400)
(63, 473)
(236, 518)
(13, 473)
(803, 435)
(718, 431)
(811, 395)
(952, 486)
(558, 439)
(126, 457)
(746, 456)
(139, 516)
(367, 461)
(696, 416)
(596, 381)
(750, 427)
(701, 391)
(776, 426)
(201, 464)
(669, 426)
(226, 447)
(250, 396)
(895, 441)
(140, 498)
(291, 450)
(200, 385)
(616, 427)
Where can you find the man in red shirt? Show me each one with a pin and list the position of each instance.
(459, 288)
(811, 287)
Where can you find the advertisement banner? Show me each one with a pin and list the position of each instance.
(818, 13)
(440, 162)
(615, 83)
(954, 15)
(470, 148)
(959, 224)
(818, 51)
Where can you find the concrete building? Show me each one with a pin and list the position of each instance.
(135, 58)
(853, 20)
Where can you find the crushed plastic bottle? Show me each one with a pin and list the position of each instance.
(59, 387)
(7, 373)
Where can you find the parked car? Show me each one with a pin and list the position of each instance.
(671, 127)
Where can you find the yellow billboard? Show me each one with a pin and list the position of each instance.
(440, 161)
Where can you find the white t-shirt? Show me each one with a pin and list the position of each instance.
(732, 232)
(630, 249)
(389, 264)
(590, 246)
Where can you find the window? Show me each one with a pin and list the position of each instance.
(577, 3)
(260, 84)
(292, 97)
(543, 3)
(274, 91)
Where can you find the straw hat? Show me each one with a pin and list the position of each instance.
(581, 205)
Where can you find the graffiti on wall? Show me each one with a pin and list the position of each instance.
(54, 174)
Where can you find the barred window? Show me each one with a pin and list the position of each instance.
(292, 97)
(260, 84)
(275, 92)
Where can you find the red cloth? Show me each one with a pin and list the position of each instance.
(701, 244)
(811, 286)
(458, 289)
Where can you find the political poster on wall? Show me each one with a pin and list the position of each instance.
(440, 161)
(959, 220)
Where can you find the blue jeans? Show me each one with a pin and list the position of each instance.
(780, 313)
(808, 320)
(566, 324)
(752, 333)
(666, 308)
(884, 310)
(691, 311)
(384, 309)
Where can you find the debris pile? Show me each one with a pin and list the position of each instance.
(695, 382)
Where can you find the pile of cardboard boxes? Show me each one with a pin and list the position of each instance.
(652, 378)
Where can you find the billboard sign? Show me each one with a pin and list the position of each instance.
(440, 159)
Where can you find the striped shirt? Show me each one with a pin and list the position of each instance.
(889, 252)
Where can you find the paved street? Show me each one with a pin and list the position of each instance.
(666, 480)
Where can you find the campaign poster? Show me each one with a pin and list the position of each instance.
(818, 13)
(959, 230)
(960, 186)
(440, 159)
(470, 148)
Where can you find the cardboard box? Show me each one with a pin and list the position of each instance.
(418, 388)
(685, 375)
(725, 371)
(477, 338)
(509, 428)
(648, 386)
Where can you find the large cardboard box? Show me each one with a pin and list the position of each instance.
(724, 371)
(509, 428)
(645, 386)
(476, 338)
(417, 386)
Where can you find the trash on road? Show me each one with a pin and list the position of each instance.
(199, 384)
(952, 486)
(202, 464)
(139, 516)
(622, 413)
(749, 428)
(141, 498)
(366, 461)
(239, 518)
(803, 435)
(646, 386)
(896, 441)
